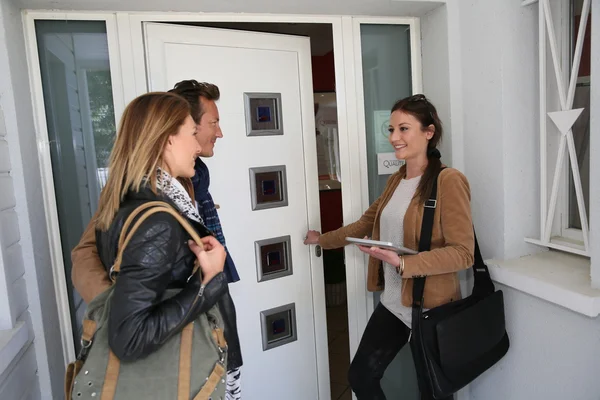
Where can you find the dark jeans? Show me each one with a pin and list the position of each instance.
(383, 338)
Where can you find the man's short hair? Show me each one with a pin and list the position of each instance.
(192, 90)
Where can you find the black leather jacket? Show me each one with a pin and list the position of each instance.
(156, 259)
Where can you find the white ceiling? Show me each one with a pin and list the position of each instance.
(328, 7)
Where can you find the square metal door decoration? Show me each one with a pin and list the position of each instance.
(278, 326)
(263, 114)
(273, 258)
(268, 186)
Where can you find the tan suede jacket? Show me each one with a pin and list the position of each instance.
(88, 274)
(452, 243)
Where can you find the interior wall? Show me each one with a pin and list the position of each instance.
(323, 70)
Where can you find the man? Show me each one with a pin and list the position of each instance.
(88, 274)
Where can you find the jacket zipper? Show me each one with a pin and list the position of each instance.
(200, 293)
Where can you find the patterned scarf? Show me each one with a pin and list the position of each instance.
(207, 209)
(175, 191)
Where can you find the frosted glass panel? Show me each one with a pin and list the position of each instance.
(386, 78)
(81, 127)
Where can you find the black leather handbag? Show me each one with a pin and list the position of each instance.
(456, 342)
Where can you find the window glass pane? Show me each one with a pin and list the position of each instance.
(581, 128)
(386, 62)
(386, 78)
(103, 119)
(81, 127)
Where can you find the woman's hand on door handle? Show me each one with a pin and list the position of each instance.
(312, 237)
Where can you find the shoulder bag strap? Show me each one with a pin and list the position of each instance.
(483, 284)
(149, 209)
(425, 243)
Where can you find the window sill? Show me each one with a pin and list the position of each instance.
(557, 277)
(11, 343)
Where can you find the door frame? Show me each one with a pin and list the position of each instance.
(128, 73)
(350, 109)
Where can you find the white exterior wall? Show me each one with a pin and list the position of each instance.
(23, 230)
(18, 365)
(499, 48)
(436, 73)
(555, 352)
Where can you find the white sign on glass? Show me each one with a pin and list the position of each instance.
(387, 163)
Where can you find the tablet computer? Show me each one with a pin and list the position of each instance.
(383, 245)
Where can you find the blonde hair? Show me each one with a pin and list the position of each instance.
(146, 125)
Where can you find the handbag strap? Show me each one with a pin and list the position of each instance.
(148, 209)
(483, 284)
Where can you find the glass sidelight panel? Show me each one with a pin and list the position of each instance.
(80, 117)
(386, 64)
(387, 77)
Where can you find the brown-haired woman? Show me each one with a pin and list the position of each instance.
(415, 131)
(152, 160)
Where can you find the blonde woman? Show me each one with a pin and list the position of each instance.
(152, 160)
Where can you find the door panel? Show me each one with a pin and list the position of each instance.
(244, 62)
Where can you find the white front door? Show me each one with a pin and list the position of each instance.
(265, 67)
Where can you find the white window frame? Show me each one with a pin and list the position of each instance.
(572, 234)
(554, 199)
(47, 181)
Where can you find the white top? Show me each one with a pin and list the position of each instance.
(391, 229)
